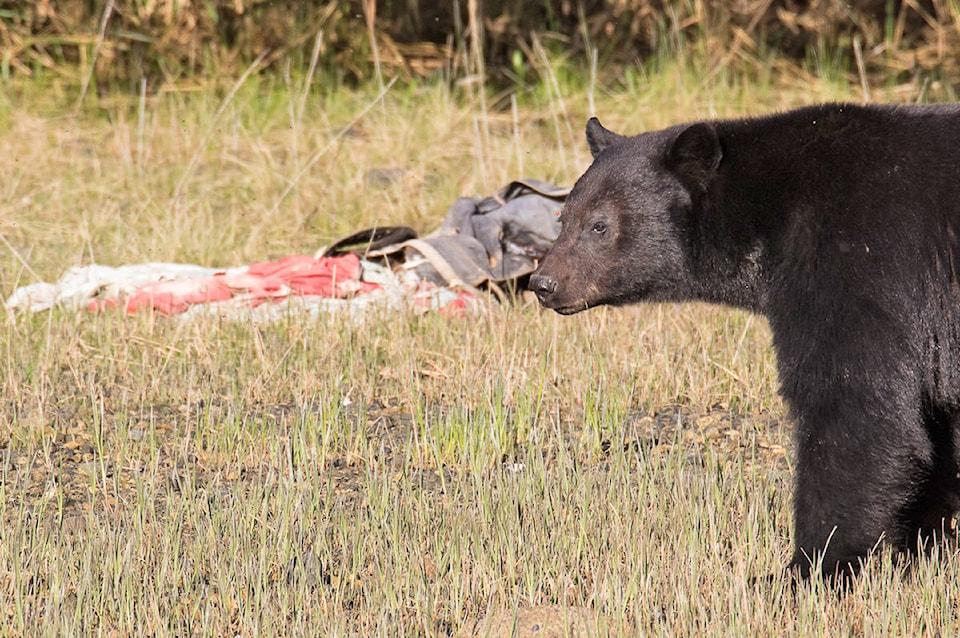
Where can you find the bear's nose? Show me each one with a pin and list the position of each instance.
(543, 286)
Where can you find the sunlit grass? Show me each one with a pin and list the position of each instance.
(404, 475)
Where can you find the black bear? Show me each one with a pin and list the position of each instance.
(839, 223)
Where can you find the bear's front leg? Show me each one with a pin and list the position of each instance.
(862, 460)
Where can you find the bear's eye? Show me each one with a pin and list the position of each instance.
(599, 228)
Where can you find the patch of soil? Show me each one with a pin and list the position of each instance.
(541, 622)
(87, 462)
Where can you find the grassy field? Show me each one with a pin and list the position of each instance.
(628, 470)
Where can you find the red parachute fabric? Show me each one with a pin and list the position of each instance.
(266, 281)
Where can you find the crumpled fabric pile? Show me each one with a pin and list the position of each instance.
(482, 242)
(262, 292)
(499, 238)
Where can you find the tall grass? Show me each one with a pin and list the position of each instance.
(404, 475)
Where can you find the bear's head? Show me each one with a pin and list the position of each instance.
(625, 232)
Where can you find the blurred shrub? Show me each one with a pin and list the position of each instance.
(166, 40)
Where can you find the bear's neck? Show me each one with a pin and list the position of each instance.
(742, 214)
(733, 280)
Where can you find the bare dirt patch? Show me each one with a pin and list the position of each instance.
(88, 463)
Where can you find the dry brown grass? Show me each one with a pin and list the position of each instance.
(403, 476)
(172, 42)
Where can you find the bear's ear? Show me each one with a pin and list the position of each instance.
(696, 151)
(600, 138)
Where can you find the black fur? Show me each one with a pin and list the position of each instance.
(839, 223)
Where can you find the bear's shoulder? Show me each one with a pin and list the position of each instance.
(847, 121)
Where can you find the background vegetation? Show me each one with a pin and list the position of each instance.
(164, 41)
(407, 474)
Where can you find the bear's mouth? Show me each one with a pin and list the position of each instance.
(572, 309)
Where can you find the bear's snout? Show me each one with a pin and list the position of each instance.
(543, 286)
(552, 296)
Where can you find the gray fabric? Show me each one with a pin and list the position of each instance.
(500, 238)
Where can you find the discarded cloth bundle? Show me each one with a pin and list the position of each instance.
(497, 238)
(491, 239)
(172, 289)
